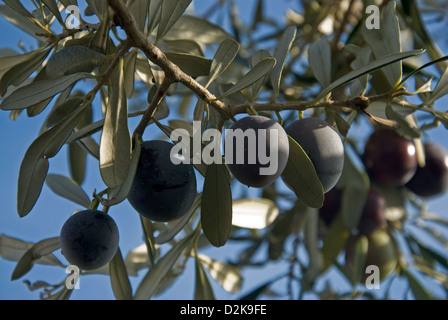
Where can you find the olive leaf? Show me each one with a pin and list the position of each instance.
(67, 188)
(34, 166)
(39, 91)
(280, 54)
(115, 143)
(150, 283)
(40, 249)
(216, 205)
(200, 30)
(257, 72)
(171, 11)
(203, 289)
(319, 55)
(385, 41)
(119, 278)
(301, 176)
(224, 56)
(374, 65)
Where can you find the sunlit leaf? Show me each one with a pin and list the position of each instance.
(40, 249)
(203, 289)
(119, 278)
(115, 144)
(227, 275)
(254, 213)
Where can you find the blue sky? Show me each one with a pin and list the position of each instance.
(51, 211)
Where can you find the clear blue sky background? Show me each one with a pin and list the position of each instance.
(51, 211)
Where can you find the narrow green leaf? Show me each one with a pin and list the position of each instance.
(200, 30)
(139, 10)
(149, 284)
(40, 249)
(424, 66)
(119, 194)
(203, 289)
(17, 6)
(129, 72)
(53, 7)
(115, 143)
(440, 90)
(419, 291)
(154, 14)
(257, 72)
(8, 62)
(38, 91)
(194, 66)
(280, 54)
(23, 22)
(224, 56)
(174, 227)
(119, 278)
(172, 10)
(404, 127)
(300, 175)
(13, 249)
(67, 188)
(216, 205)
(34, 166)
(385, 41)
(374, 65)
(20, 72)
(98, 6)
(256, 58)
(319, 55)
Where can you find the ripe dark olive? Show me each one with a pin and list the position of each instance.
(89, 239)
(381, 253)
(161, 191)
(374, 214)
(389, 158)
(323, 146)
(331, 206)
(254, 171)
(432, 179)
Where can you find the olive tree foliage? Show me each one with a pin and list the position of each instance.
(341, 61)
